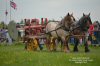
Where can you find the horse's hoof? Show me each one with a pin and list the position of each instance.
(54, 50)
(75, 50)
(68, 51)
(87, 51)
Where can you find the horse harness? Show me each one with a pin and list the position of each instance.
(61, 27)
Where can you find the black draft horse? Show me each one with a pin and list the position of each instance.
(80, 29)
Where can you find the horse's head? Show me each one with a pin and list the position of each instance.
(85, 22)
(68, 20)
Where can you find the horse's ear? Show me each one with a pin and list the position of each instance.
(83, 14)
(72, 14)
(89, 14)
(68, 14)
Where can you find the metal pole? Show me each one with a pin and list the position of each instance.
(10, 10)
(6, 12)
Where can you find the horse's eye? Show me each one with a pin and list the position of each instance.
(74, 19)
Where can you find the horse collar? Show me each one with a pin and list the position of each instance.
(64, 28)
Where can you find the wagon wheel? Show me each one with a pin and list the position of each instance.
(28, 44)
(52, 44)
(35, 44)
(32, 44)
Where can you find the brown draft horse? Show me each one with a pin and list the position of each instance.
(81, 28)
(59, 30)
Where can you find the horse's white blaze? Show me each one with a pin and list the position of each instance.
(72, 19)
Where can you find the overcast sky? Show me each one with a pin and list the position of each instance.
(51, 9)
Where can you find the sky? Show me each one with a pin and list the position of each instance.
(51, 9)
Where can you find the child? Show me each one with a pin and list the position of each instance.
(41, 43)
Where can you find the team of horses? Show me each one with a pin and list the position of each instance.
(61, 31)
(67, 27)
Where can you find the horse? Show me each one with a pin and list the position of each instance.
(80, 29)
(59, 30)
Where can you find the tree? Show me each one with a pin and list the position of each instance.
(3, 25)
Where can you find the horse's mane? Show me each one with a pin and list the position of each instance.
(81, 21)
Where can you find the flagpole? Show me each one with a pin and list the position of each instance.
(10, 10)
(12, 5)
(6, 12)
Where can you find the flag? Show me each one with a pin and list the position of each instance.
(13, 5)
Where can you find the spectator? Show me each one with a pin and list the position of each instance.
(94, 39)
(91, 29)
(41, 43)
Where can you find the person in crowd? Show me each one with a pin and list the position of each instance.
(90, 31)
(97, 31)
(41, 43)
(81, 41)
(94, 39)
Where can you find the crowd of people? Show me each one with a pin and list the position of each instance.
(4, 36)
(94, 33)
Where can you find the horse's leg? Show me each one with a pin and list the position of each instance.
(48, 44)
(66, 48)
(76, 44)
(86, 46)
(59, 40)
(54, 44)
(62, 45)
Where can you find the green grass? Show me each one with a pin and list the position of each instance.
(15, 55)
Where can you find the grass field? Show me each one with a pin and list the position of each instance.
(15, 55)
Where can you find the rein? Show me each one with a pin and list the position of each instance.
(63, 27)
